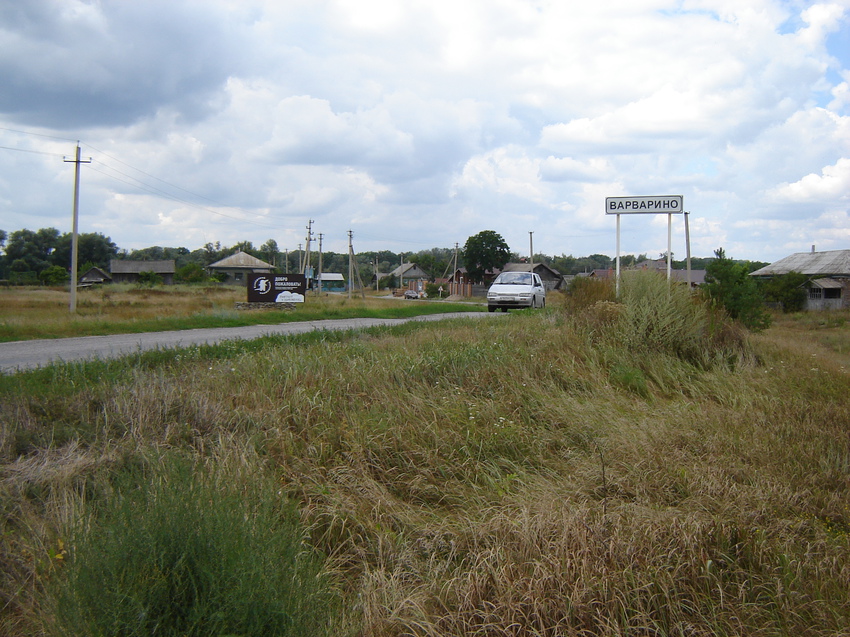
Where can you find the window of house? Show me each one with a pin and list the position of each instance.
(832, 293)
(237, 276)
(815, 293)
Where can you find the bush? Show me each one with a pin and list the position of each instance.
(584, 292)
(190, 273)
(149, 279)
(662, 316)
(185, 552)
(54, 275)
(433, 291)
(787, 290)
(729, 285)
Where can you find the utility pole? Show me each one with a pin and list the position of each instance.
(531, 251)
(300, 259)
(320, 263)
(350, 262)
(287, 260)
(454, 275)
(74, 238)
(307, 255)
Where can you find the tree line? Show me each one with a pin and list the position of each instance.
(43, 256)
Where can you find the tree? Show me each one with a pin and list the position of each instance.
(34, 249)
(729, 285)
(485, 252)
(190, 273)
(270, 251)
(92, 247)
(54, 275)
(787, 290)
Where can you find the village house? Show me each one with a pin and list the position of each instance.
(126, 271)
(94, 275)
(828, 287)
(237, 266)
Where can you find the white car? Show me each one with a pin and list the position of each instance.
(515, 290)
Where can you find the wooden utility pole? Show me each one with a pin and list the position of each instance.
(74, 234)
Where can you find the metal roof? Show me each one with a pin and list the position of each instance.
(240, 260)
(831, 262)
(125, 266)
(827, 283)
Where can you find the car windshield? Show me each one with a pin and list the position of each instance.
(517, 278)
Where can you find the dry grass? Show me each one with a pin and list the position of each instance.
(499, 478)
(27, 313)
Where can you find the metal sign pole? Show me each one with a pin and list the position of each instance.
(617, 273)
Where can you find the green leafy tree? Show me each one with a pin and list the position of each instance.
(787, 290)
(92, 247)
(270, 251)
(729, 285)
(485, 252)
(54, 275)
(32, 248)
(190, 273)
(149, 279)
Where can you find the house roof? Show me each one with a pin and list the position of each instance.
(409, 270)
(240, 260)
(331, 276)
(95, 273)
(827, 283)
(526, 267)
(831, 262)
(125, 266)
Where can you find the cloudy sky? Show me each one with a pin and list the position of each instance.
(417, 123)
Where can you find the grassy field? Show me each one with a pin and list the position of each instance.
(44, 312)
(634, 468)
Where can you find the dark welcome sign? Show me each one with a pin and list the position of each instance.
(276, 288)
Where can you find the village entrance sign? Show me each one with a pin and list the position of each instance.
(660, 204)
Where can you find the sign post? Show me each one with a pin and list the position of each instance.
(660, 204)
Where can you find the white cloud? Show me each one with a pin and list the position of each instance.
(423, 121)
(831, 185)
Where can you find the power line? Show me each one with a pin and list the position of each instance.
(156, 191)
(24, 132)
(34, 152)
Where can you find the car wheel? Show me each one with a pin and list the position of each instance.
(543, 303)
(504, 309)
(491, 308)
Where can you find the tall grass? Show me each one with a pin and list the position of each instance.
(525, 476)
(180, 550)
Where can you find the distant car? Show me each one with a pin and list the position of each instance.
(516, 290)
(411, 294)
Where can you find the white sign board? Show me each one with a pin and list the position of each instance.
(661, 204)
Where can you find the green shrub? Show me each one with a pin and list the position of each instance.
(729, 285)
(179, 551)
(787, 290)
(149, 279)
(662, 316)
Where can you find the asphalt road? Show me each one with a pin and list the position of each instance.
(24, 355)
